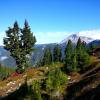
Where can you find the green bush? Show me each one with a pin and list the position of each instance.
(36, 90)
(55, 80)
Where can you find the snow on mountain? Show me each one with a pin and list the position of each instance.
(87, 36)
(74, 38)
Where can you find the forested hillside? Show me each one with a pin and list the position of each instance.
(70, 73)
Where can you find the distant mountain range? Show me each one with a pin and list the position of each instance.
(95, 42)
(7, 60)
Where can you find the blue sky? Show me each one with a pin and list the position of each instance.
(50, 20)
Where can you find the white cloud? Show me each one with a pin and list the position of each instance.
(95, 34)
(2, 35)
(43, 37)
(50, 37)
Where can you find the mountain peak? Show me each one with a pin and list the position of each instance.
(74, 38)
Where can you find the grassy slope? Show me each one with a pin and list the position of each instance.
(31, 74)
(39, 73)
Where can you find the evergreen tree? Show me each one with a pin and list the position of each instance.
(84, 60)
(79, 45)
(74, 62)
(47, 59)
(20, 43)
(68, 55)
(27, 43)
(57, 54)
(27, 39)
(82, 55)
(12, 42)
(91, 48)
(84, 46)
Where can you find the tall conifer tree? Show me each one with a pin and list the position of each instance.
(12, 42)
(47, 59)
(74, 61)
(27, 43)
(57, 54)
(82, 55)
(20, 43)
(68, 55)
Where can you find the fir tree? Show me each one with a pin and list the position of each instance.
(47, 59)
(91, 48)
(82, 55)
(27, 39)
(74, 62)
(20, 43)
(12, 42)
(27, 43)
(57, 54)
(68, 55)
(79, 45)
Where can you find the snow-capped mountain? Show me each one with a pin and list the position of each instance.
(74, 38)
(87, 36)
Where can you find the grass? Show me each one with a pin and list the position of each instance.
(38, 73)
(93, 59)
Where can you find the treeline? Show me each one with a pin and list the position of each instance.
(75, 59)
(50, 56)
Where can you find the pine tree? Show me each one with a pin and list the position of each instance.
(57, 54)
(79, 52)
(74, 62)
(68, 55)
(82, 55)
(12, 42)
(20, 43)
(91, 48)
(79, 45)
(47, 59)
(27, 43)
(84, 46)
(27, 39)
(84, 60)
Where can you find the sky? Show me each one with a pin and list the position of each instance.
(50, 20)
